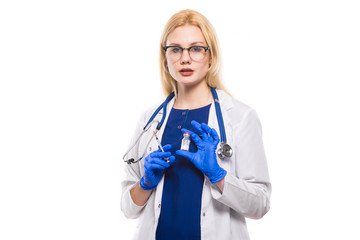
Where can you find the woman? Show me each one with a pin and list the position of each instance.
(179, 194)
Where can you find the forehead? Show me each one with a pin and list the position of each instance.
(186, 35)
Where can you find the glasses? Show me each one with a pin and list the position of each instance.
(196, 53)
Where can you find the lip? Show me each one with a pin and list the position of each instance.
(186, 72)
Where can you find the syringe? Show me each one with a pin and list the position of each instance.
(159, 144)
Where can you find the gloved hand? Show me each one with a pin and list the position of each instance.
(205, 157)
(155, 167)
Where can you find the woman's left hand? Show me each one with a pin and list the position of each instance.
(205, 157)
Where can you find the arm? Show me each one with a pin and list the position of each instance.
(132, 175)
(155, 167)
(139, 195)
(130, 206)
(247, 189)
(220, 184)
(137, 188)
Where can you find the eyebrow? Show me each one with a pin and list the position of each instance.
(191, 44)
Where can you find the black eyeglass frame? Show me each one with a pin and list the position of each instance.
(182, 49)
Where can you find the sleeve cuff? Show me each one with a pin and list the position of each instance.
(216, 192)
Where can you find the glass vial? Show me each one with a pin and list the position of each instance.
(185, 142)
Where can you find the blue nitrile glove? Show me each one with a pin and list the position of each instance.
(205, 157)
(155, 167)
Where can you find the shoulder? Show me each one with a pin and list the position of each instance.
(238, 112)
(233, 106)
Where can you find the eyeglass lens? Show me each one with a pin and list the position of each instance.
(196, 53)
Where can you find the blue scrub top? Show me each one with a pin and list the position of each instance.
(181, 199)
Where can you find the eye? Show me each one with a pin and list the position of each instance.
(196, 49)
(175, 49)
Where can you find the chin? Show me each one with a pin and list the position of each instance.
(187, 82)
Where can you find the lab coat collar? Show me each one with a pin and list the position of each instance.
(225, 100)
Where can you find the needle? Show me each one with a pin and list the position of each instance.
(159, 144)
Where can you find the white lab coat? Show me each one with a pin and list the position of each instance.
(247, 186)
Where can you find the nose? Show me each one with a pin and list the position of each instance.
(185, 57)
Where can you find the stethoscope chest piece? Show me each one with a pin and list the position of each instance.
(224, 150)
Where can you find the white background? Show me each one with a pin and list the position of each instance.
(75, 76)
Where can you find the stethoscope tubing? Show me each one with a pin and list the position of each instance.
(164, 106)
(219, 116)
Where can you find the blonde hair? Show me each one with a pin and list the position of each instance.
(191, 17)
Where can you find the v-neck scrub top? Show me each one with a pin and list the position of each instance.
(181, 199)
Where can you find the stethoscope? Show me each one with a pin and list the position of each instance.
(223, 150)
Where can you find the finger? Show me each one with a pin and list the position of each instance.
(186, 154)
(157, 154)
(211, 131)
(215, 136)
(155, 166)
(157, 163)
(193, 135)
(167, 147)
(171, 159)
(184, 130)
(197, 125)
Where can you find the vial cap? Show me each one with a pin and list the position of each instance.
(187, 134)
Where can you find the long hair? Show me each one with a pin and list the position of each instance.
(191, 17)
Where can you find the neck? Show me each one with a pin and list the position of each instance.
(192, 97)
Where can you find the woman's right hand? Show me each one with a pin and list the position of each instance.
(155, 166)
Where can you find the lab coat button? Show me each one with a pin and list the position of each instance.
(203, 214)
(159, 205)
(150, 149)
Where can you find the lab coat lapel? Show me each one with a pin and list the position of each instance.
(159, 188)
(225, 105)
(168, 110)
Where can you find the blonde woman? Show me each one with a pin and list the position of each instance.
(195, 193)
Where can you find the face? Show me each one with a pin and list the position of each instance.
(185, 70)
